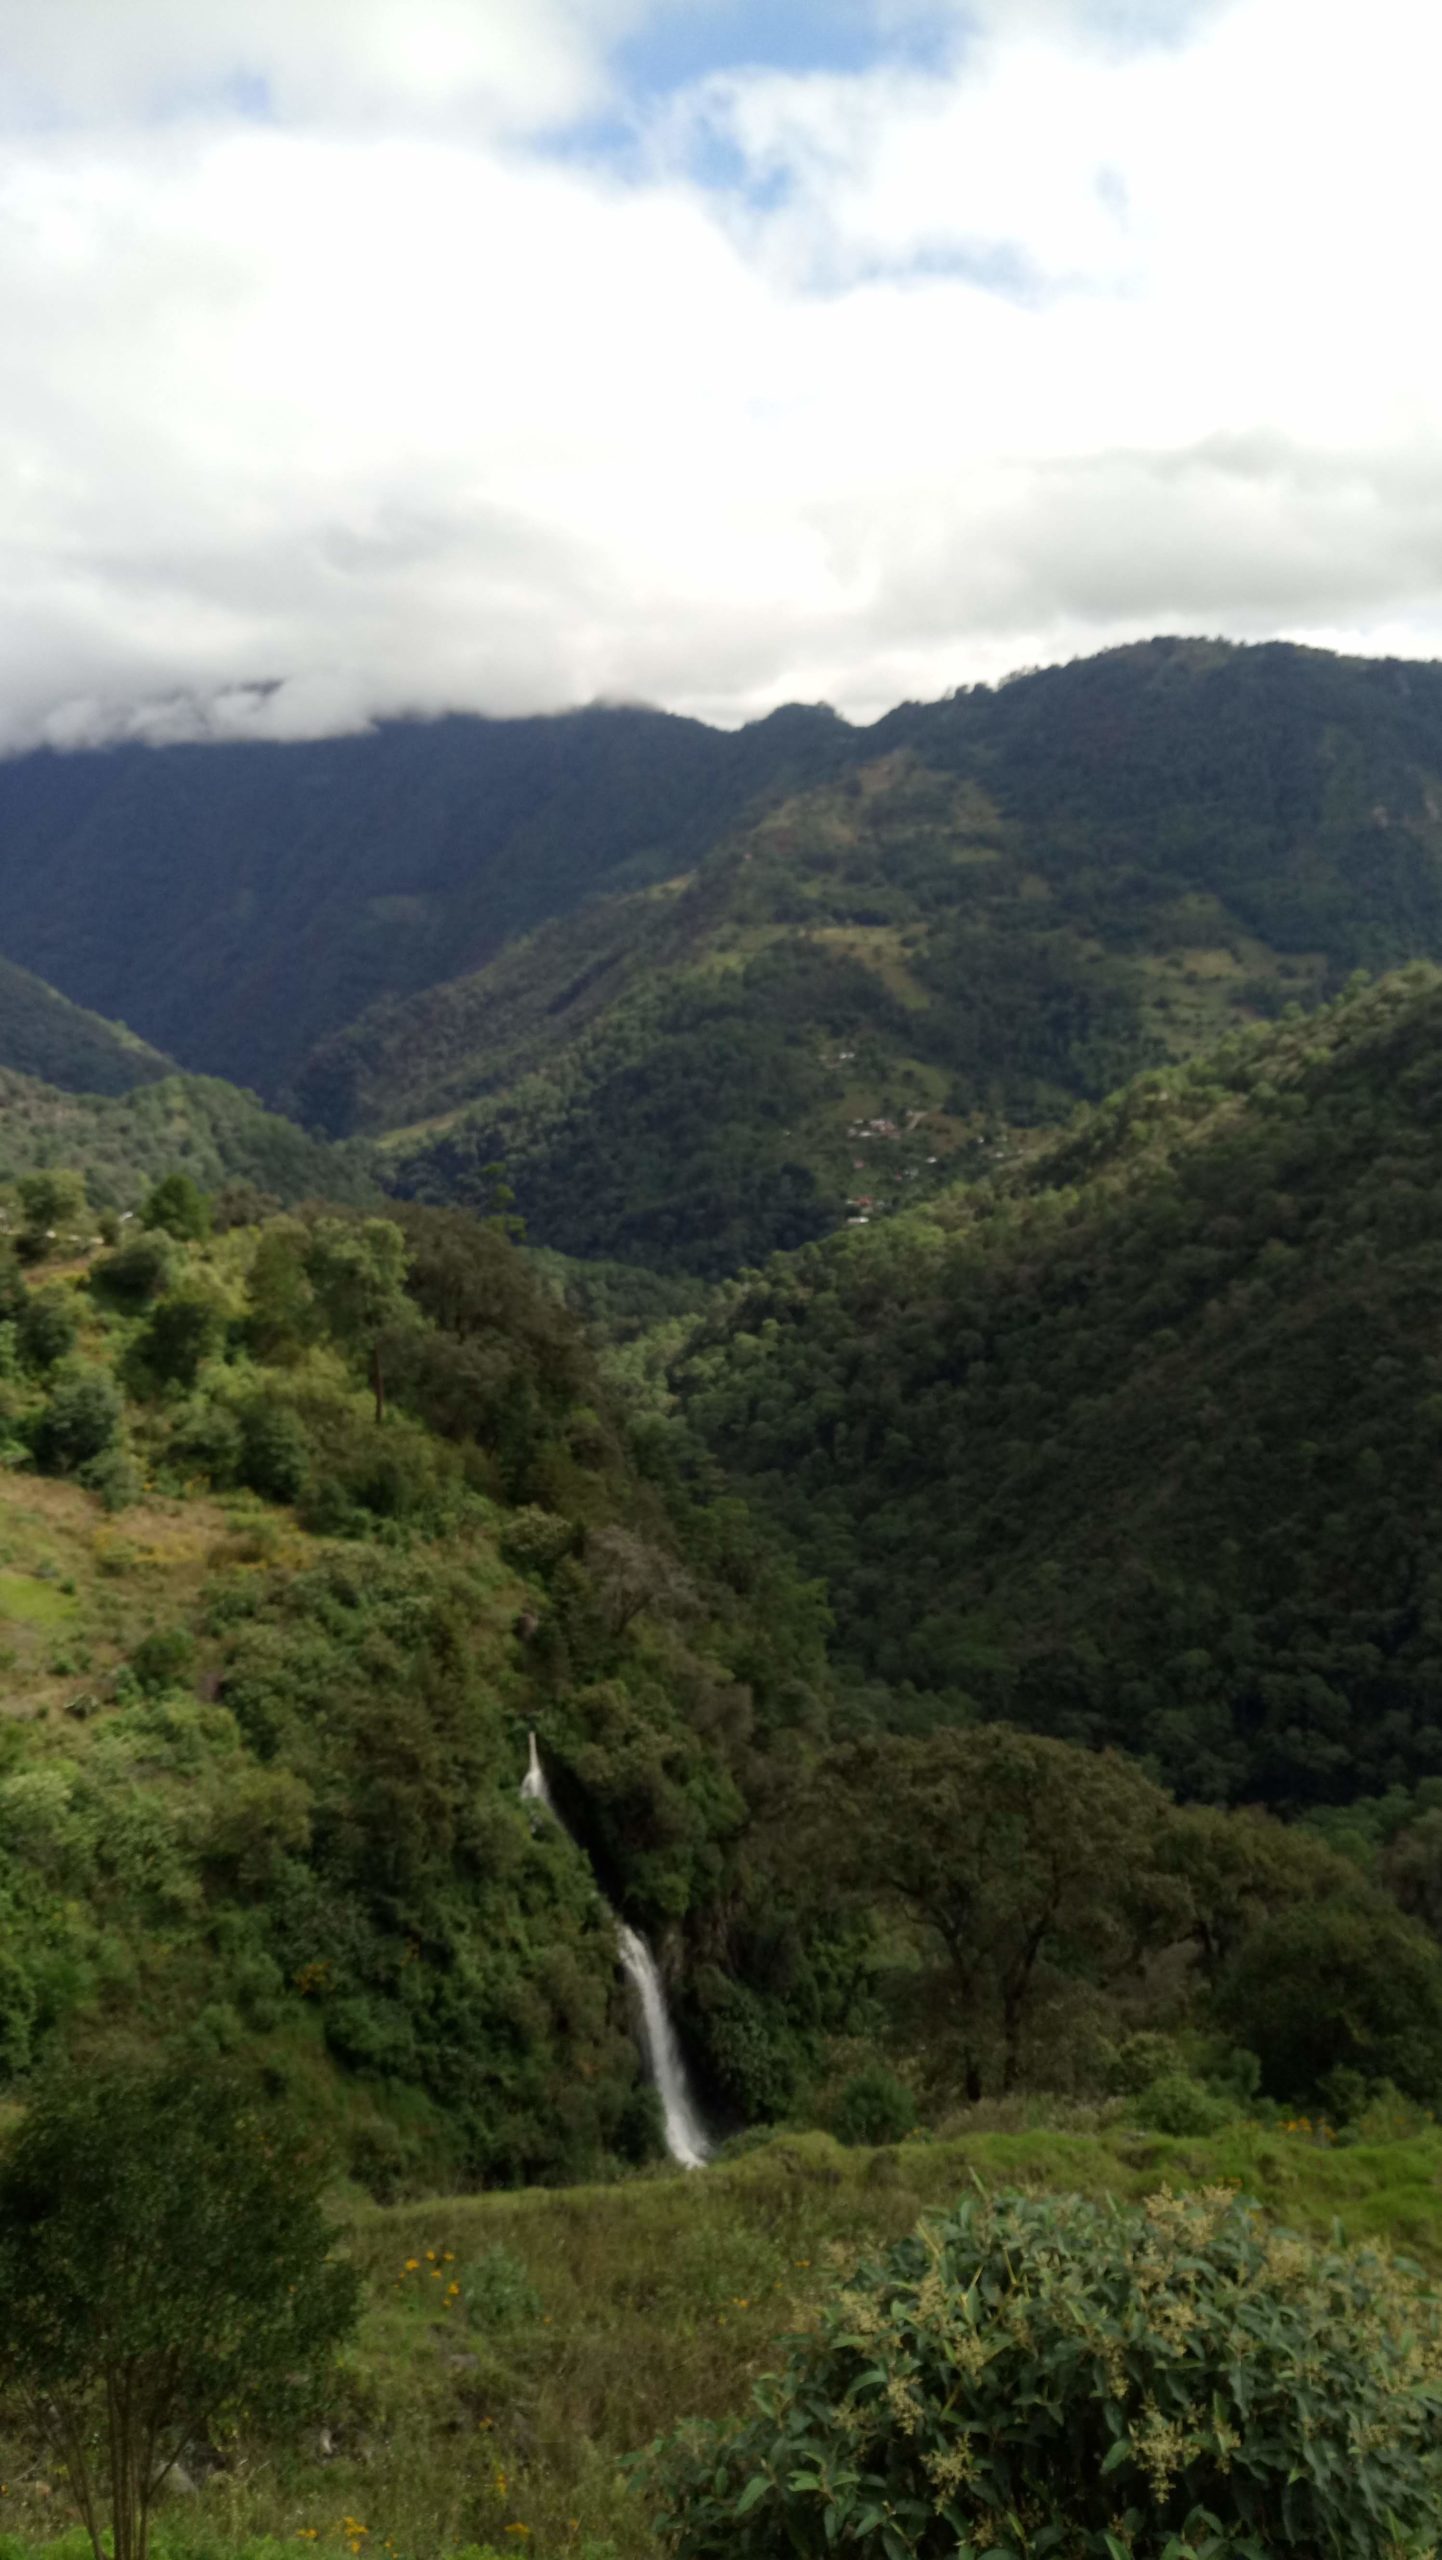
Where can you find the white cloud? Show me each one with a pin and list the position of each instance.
(1118, 323)
(381, 63)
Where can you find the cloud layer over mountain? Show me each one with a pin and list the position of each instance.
(401, 354)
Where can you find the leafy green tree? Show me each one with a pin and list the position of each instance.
(274, 1451)
(13, 1292)
(184, 1331)
(166, 2268)
(357, 1269)
(178, 1207)
(1411, 1870)
(137, 1271)
(1331, 1986)
(283, 1312)
(47, 1327)
(1025, 1858)
(80, 1421)
(54, 1203)
(1051, 2379)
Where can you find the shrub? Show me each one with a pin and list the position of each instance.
(113, 1475)
(137, 1273)
(163, 1660)
(184, 1331)
(1177, 2104)
(274, 1451)
(497, 2291)
(207, 1435)
(46, 1328)
(1051, 2376)
(177, 1207)
(1342, 1985)
(873, 2107)
(80, 1421)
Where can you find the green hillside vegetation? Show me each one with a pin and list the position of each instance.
(127, 1141)
(666, 974)
(238, 903)
(516, 2348)
(993, 1651)
(1005, 904)
(43, 1035)
(305, 1523)
(1138, 1445)
(308, 1520)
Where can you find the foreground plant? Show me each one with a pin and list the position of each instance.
(1060, 2380)
(165, 2269)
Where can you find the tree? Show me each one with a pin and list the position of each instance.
(1345, 1985)
(1411, 1870)
(79, 1422)
(1024, 1856)
(165, 2266)
(357, 1269)
(52, 1201)
(184, 1331)
(46, 1327)
(179, 1207)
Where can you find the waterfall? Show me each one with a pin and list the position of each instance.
(686, 2139)
(534, 1789)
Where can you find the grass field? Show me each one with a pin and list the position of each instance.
(517, 2347)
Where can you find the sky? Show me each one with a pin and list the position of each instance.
(376, 357)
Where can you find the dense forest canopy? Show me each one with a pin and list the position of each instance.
(239, 902)
(45, 1036)
(1138, 1445)
(708, 996)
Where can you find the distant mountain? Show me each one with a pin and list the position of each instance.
(1140, 1443)
(706, 995)
(1018, 900)
(43, 1034)
(195, 1124)
(240, 902)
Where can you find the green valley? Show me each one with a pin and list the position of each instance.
(879, 1351)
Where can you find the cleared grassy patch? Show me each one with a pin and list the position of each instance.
(516, 2347)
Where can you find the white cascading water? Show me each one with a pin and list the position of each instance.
(534, 1789)
(686, 2138)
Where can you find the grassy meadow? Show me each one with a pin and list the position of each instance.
(516, 2348)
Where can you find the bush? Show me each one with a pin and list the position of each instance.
(274, 1451)
(177, 1207)
(163, 1660)
(207, 1435)
(184, 1332)
(114, 1476)
(873, 2107)
(1340, 1986)
(1051, 2376)
(80, 1421)
(1179, 2105)
(46, 1327)
(498, 2292)
(137, 1273)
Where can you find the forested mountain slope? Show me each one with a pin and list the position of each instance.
(214, 1132)
(42, 1034)
(1142, 1444)
(303, 1524)
(1008, 902)
(239, 902)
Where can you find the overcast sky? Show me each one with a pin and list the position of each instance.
(363, 356)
